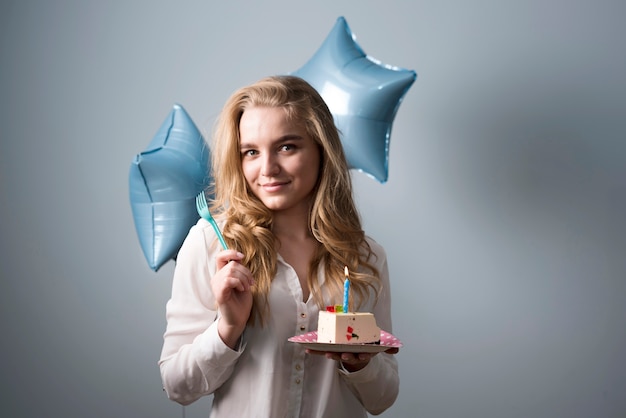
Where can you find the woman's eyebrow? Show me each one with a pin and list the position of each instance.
(284, 138)
(290, 137)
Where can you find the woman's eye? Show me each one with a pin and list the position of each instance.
(249, 153)
(287, 147)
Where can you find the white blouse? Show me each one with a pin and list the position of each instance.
(267, 376)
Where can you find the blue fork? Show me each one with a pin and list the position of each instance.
(203, 210)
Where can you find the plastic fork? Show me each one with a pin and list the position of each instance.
(203, 210)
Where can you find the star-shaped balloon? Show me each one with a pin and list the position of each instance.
(362, 94)
(164, 180)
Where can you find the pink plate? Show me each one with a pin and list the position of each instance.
(309, 340)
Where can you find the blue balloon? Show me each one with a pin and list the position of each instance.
(363, 95)
(164, 180)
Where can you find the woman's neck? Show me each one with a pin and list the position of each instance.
(291, 226)
(296, 244)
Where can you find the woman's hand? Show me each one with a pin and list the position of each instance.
(352, 362)
(231, 287)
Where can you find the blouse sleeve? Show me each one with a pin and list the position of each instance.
(377, 384)
(194, 360)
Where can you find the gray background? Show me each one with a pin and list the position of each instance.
(504, 215)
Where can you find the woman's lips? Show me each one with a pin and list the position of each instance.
(274, 186)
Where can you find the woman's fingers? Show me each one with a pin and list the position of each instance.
(231, 287)
(352, 361)
(234, 281)
(226, 256)
(231, 278)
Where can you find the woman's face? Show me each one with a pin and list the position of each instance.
(279, 160)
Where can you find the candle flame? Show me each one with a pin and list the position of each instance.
(345, 270)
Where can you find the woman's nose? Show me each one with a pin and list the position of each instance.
(270, 166)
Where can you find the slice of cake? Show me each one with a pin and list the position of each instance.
(347, 328)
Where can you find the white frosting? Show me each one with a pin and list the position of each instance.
(347, 328)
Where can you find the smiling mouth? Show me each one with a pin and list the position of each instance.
(273, 186)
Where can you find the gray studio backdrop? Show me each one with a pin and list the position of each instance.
(504, 215)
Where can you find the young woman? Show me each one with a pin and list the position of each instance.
(283, 196)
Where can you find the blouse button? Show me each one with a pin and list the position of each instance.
(298, 367)
(303, 315)
(302, 328)
(297, 381)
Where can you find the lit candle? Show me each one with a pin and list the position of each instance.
(346, 290)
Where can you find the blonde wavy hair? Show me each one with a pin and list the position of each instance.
(333, 218)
